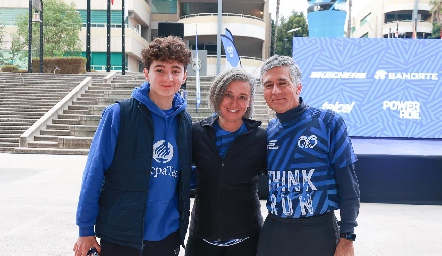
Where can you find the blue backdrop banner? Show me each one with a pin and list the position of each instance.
(381, 87)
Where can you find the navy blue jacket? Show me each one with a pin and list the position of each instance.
(123, 197)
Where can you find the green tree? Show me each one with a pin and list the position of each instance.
(61, 25)
(17, 48)
(2, 39)
(284, 38)
(436, 11)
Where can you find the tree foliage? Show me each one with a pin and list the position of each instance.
(61, 25)
(436, 11)
(284, 39)
(436, 8)
(2, 39)
(17, 49)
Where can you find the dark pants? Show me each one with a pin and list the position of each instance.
(198, 247)
(169, 246)
(314, 236)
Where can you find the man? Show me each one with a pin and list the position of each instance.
(136, 182)
(310, 163)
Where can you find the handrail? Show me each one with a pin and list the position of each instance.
(224, 14)
(241, 57)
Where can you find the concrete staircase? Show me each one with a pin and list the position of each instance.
(24, 98)
(71, 129)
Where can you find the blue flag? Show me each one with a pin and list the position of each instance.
(232, 57)
(229, 35)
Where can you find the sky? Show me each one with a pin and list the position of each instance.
(286, 7)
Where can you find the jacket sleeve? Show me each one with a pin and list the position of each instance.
(348, 195)
(99, 159)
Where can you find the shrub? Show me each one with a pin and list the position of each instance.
(10, 68)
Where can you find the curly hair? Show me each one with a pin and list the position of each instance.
(282, 61)
(222, 81)
(166, 48)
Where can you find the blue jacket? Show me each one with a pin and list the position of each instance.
(116, 178)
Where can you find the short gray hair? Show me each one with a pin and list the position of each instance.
(282, 61)
(222, 81)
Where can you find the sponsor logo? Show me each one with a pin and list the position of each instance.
(272, 144)
(407, 109)
(338, 75)
(162, 151)
(382, 74)
(307, 142)
(230, 50)
(339, 107)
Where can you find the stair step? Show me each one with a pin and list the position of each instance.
(45, 138)
(52, 151)
(10, 140)
(43, 144)
(76, 111)
(66, 121)
(56, 132)
(57, 126)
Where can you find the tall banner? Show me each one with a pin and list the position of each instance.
(197, 72)
(380, 87)
(232, 56)
(229, 35)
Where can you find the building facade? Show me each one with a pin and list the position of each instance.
(248, 20)
(393, 18)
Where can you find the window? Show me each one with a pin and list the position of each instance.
(404, 16)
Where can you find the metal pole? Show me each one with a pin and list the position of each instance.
(41, 37)
(30, 38)
(108, 57)
(218, 37)
(123, 46)
(88, 36)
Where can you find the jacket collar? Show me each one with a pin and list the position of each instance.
(210, 121)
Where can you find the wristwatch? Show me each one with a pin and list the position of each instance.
(348, 236)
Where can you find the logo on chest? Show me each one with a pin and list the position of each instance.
(307, 142)
(162, 151)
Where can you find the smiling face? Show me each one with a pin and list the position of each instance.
(235, 102)
(165, 79)
(279, 91)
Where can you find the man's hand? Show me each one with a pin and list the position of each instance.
(345, 248)
(83, 245)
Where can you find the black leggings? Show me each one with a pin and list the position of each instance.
(198, 247)
(169, 246)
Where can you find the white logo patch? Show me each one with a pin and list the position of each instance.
(162, 152)
(307, 142)
(272, 144)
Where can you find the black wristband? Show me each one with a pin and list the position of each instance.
(348, 236)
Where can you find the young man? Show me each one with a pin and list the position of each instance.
(310, 164)
(136, 182)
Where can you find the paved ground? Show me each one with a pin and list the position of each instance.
(38, 198)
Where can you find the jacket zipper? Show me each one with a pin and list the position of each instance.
(219, 181)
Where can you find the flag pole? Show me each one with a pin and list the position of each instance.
(197, 71)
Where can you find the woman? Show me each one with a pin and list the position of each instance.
(229, 151)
